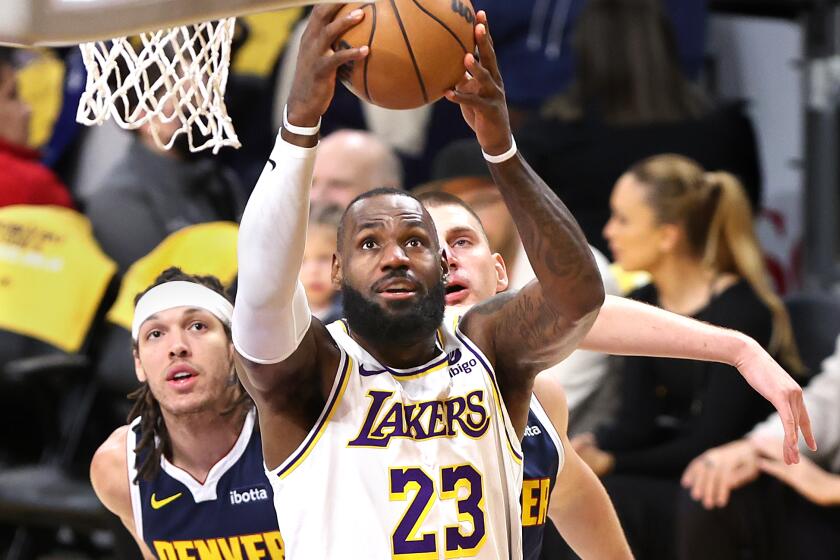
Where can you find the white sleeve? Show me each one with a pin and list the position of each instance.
(271, 315)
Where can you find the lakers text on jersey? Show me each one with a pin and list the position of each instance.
(405, 464)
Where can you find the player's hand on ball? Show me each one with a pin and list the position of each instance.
(481, 94)
(314, 82)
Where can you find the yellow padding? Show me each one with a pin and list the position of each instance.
(201, 249)
(269, 32)
(629, 281)
(40, 84)
(53, 275)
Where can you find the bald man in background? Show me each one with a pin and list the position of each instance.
(351, 162)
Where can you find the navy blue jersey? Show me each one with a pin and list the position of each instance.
(231, 515)
(543, 451)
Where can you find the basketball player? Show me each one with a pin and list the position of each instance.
(186, 477)
(380, 443)
(557, 484)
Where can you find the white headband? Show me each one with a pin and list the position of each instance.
(180, 294)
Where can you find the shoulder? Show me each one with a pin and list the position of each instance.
(318, 353)
(128, 180)
(742, 294)
(739, 307)
(40, 175)
(488, 306)
(109, 472)
(112, 452)
(478, 322)
(114, 197)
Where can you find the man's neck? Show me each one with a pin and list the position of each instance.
(400, 356)
(201, 440)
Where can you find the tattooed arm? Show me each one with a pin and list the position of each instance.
(526, 332)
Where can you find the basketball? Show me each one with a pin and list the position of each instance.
(417, 50)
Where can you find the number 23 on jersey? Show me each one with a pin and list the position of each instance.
(461, 483)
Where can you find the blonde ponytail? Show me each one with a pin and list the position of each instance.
(716, 217)
(732, 246)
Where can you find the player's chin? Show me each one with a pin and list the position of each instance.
(184, 403)
(400, 309)
(184, 407)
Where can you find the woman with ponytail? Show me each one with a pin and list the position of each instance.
(692, 231)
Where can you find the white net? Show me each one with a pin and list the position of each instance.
(173, 79)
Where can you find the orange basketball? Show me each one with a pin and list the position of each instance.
(417, 50)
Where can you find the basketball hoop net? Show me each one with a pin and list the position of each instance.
(173, 79)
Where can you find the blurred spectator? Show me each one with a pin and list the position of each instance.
(152, 192)
(24, 179)
(351, 162)
(692, 231)
(533, 42)
(629, 100)
(795, 514)
(85, 155)
(586, 376)
(316, 270)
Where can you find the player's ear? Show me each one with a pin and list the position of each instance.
(337, 272)
(138, 367)
(502, 280)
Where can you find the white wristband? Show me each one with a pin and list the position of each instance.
(502, 157)
(299, 130)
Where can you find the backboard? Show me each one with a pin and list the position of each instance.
(69, 22)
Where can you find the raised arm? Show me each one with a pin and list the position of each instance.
(631, 328)
(271, 320)
(579, 506)
(525, 332)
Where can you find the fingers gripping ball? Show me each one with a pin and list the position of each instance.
(417, 50)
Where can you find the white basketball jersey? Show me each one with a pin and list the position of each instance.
(405, 464)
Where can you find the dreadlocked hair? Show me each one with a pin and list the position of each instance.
(154, 441)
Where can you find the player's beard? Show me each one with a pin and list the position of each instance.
(401, 323)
